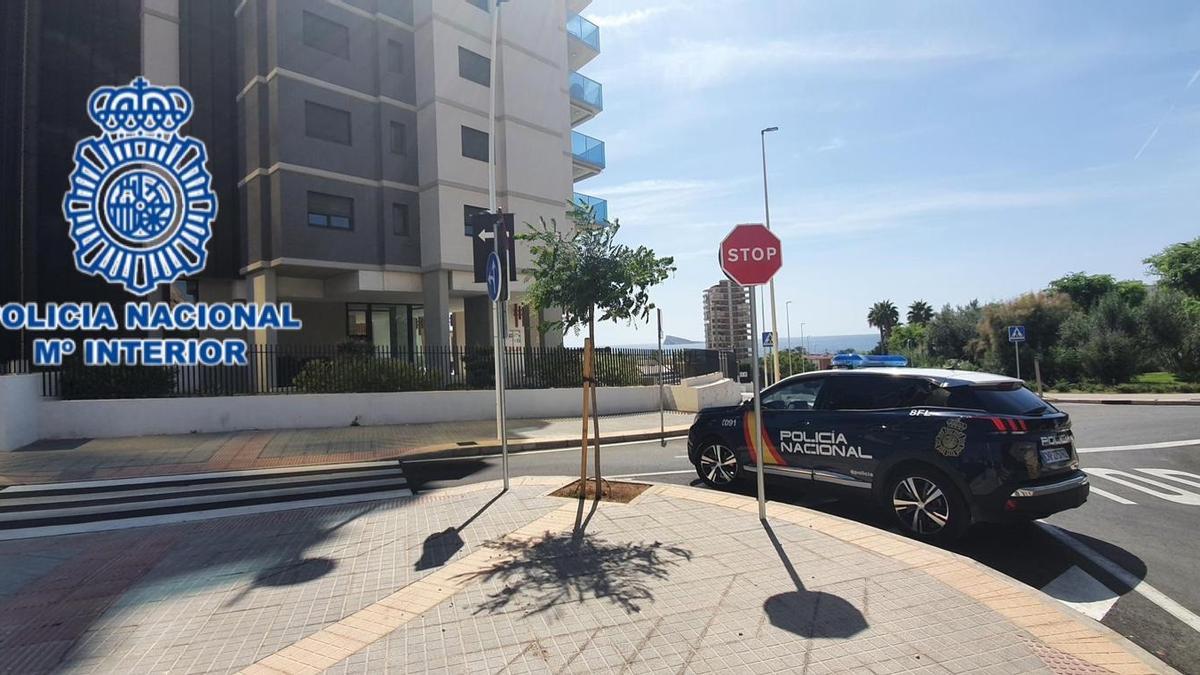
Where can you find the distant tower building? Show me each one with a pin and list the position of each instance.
(727, 318)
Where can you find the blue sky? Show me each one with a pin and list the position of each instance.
(937, 151)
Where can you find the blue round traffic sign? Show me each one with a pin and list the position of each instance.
(495, 278)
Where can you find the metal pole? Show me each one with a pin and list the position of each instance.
(1017, 349)
(767, 208)
(787, 308)
(662, 418)
(757, 440)
(492, 202)
(804, 358)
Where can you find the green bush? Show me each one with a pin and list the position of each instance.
(362, 374)
(614, 370)
(81, 382)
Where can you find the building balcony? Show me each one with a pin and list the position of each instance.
(599, 206)
(587, 154)
(587, 98)
(577, 6)
(583, 41)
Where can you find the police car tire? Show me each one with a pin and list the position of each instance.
(959, 515)
(703, 474)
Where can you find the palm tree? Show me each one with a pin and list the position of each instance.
(884, 316)
(920, 312)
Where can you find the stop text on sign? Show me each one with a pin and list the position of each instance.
(756, 254)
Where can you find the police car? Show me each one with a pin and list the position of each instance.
(939, 449)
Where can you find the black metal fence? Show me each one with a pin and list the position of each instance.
(347, 368)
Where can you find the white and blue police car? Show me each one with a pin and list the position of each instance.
(939, 449)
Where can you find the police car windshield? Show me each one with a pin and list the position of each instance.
(1001, 401)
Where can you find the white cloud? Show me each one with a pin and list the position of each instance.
(835, 143)
(867, 212)
(630, 18)
(700, 64)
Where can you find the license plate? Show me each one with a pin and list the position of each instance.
(1055, 455)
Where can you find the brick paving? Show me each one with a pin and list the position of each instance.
(95, 459)
(467, 580)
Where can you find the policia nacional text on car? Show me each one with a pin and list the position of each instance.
(939, 449)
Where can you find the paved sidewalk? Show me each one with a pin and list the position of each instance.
(467, 580)
(88, 459)
(1126, 399)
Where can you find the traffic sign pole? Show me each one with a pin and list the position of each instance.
(498, 312)
(1017, 351)
(750, 256)
(758, 430)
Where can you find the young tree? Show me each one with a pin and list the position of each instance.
(952, 331)
(583, 271)
(1178, 266)
(1084, 289)
(920, 312)
(884, 316)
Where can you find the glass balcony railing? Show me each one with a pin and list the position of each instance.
(586, 91)
(599, 206)
(583, 30)
(587, 149)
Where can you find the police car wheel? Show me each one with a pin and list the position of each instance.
(927, 506)
(718, 465)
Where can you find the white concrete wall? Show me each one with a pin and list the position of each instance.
(145, 417)
(20, 396)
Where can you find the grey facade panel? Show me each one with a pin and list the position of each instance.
(358, 72)
(399, 250)
(358, 246)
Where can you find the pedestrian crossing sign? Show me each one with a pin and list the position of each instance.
(1016, 333)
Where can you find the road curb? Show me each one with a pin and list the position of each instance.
(1122, 401)
(492, 446)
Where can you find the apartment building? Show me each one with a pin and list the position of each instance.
(727, 318)
(348, 141)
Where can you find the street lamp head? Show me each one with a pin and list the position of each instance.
(769, 129)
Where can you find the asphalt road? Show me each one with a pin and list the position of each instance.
(1139, 528)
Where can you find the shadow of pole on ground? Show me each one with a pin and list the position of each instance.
(810, 614)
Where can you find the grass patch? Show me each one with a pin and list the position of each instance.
(1155, 378)
(613, 491)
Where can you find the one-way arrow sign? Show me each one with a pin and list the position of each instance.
(483, 232)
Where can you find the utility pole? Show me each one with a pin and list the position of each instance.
(767, 208)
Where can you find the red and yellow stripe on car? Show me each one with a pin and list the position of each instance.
(772, 455)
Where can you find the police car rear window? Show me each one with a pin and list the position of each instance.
(1001, 401)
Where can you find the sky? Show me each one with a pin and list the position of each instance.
(944, 151)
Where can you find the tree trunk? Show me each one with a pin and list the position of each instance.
(595, 406)
(587, 349)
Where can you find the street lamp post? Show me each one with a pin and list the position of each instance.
(762, 135)
(787, 310)
(804, 360)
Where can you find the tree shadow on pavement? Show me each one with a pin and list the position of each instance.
(810, 614)
(564, 567)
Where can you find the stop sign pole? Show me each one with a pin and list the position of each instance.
(750, 256)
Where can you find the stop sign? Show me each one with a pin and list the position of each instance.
(751, 254)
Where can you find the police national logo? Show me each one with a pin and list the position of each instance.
(141, 204)
(952, 438)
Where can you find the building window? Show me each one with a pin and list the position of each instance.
(399, 138)
(325, 123)
(474, 67)
(395, 56)
(393, 330)
(475, 144)
(400, 225)
(327, 36)
(469, 211)
(481, 4)
(330, 211)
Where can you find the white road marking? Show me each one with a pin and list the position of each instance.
(1148, 485)
(1116, 498)
(653, 473)
(1175, 475)
(1138, 585)
(1082, 592)
(1142, 446)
